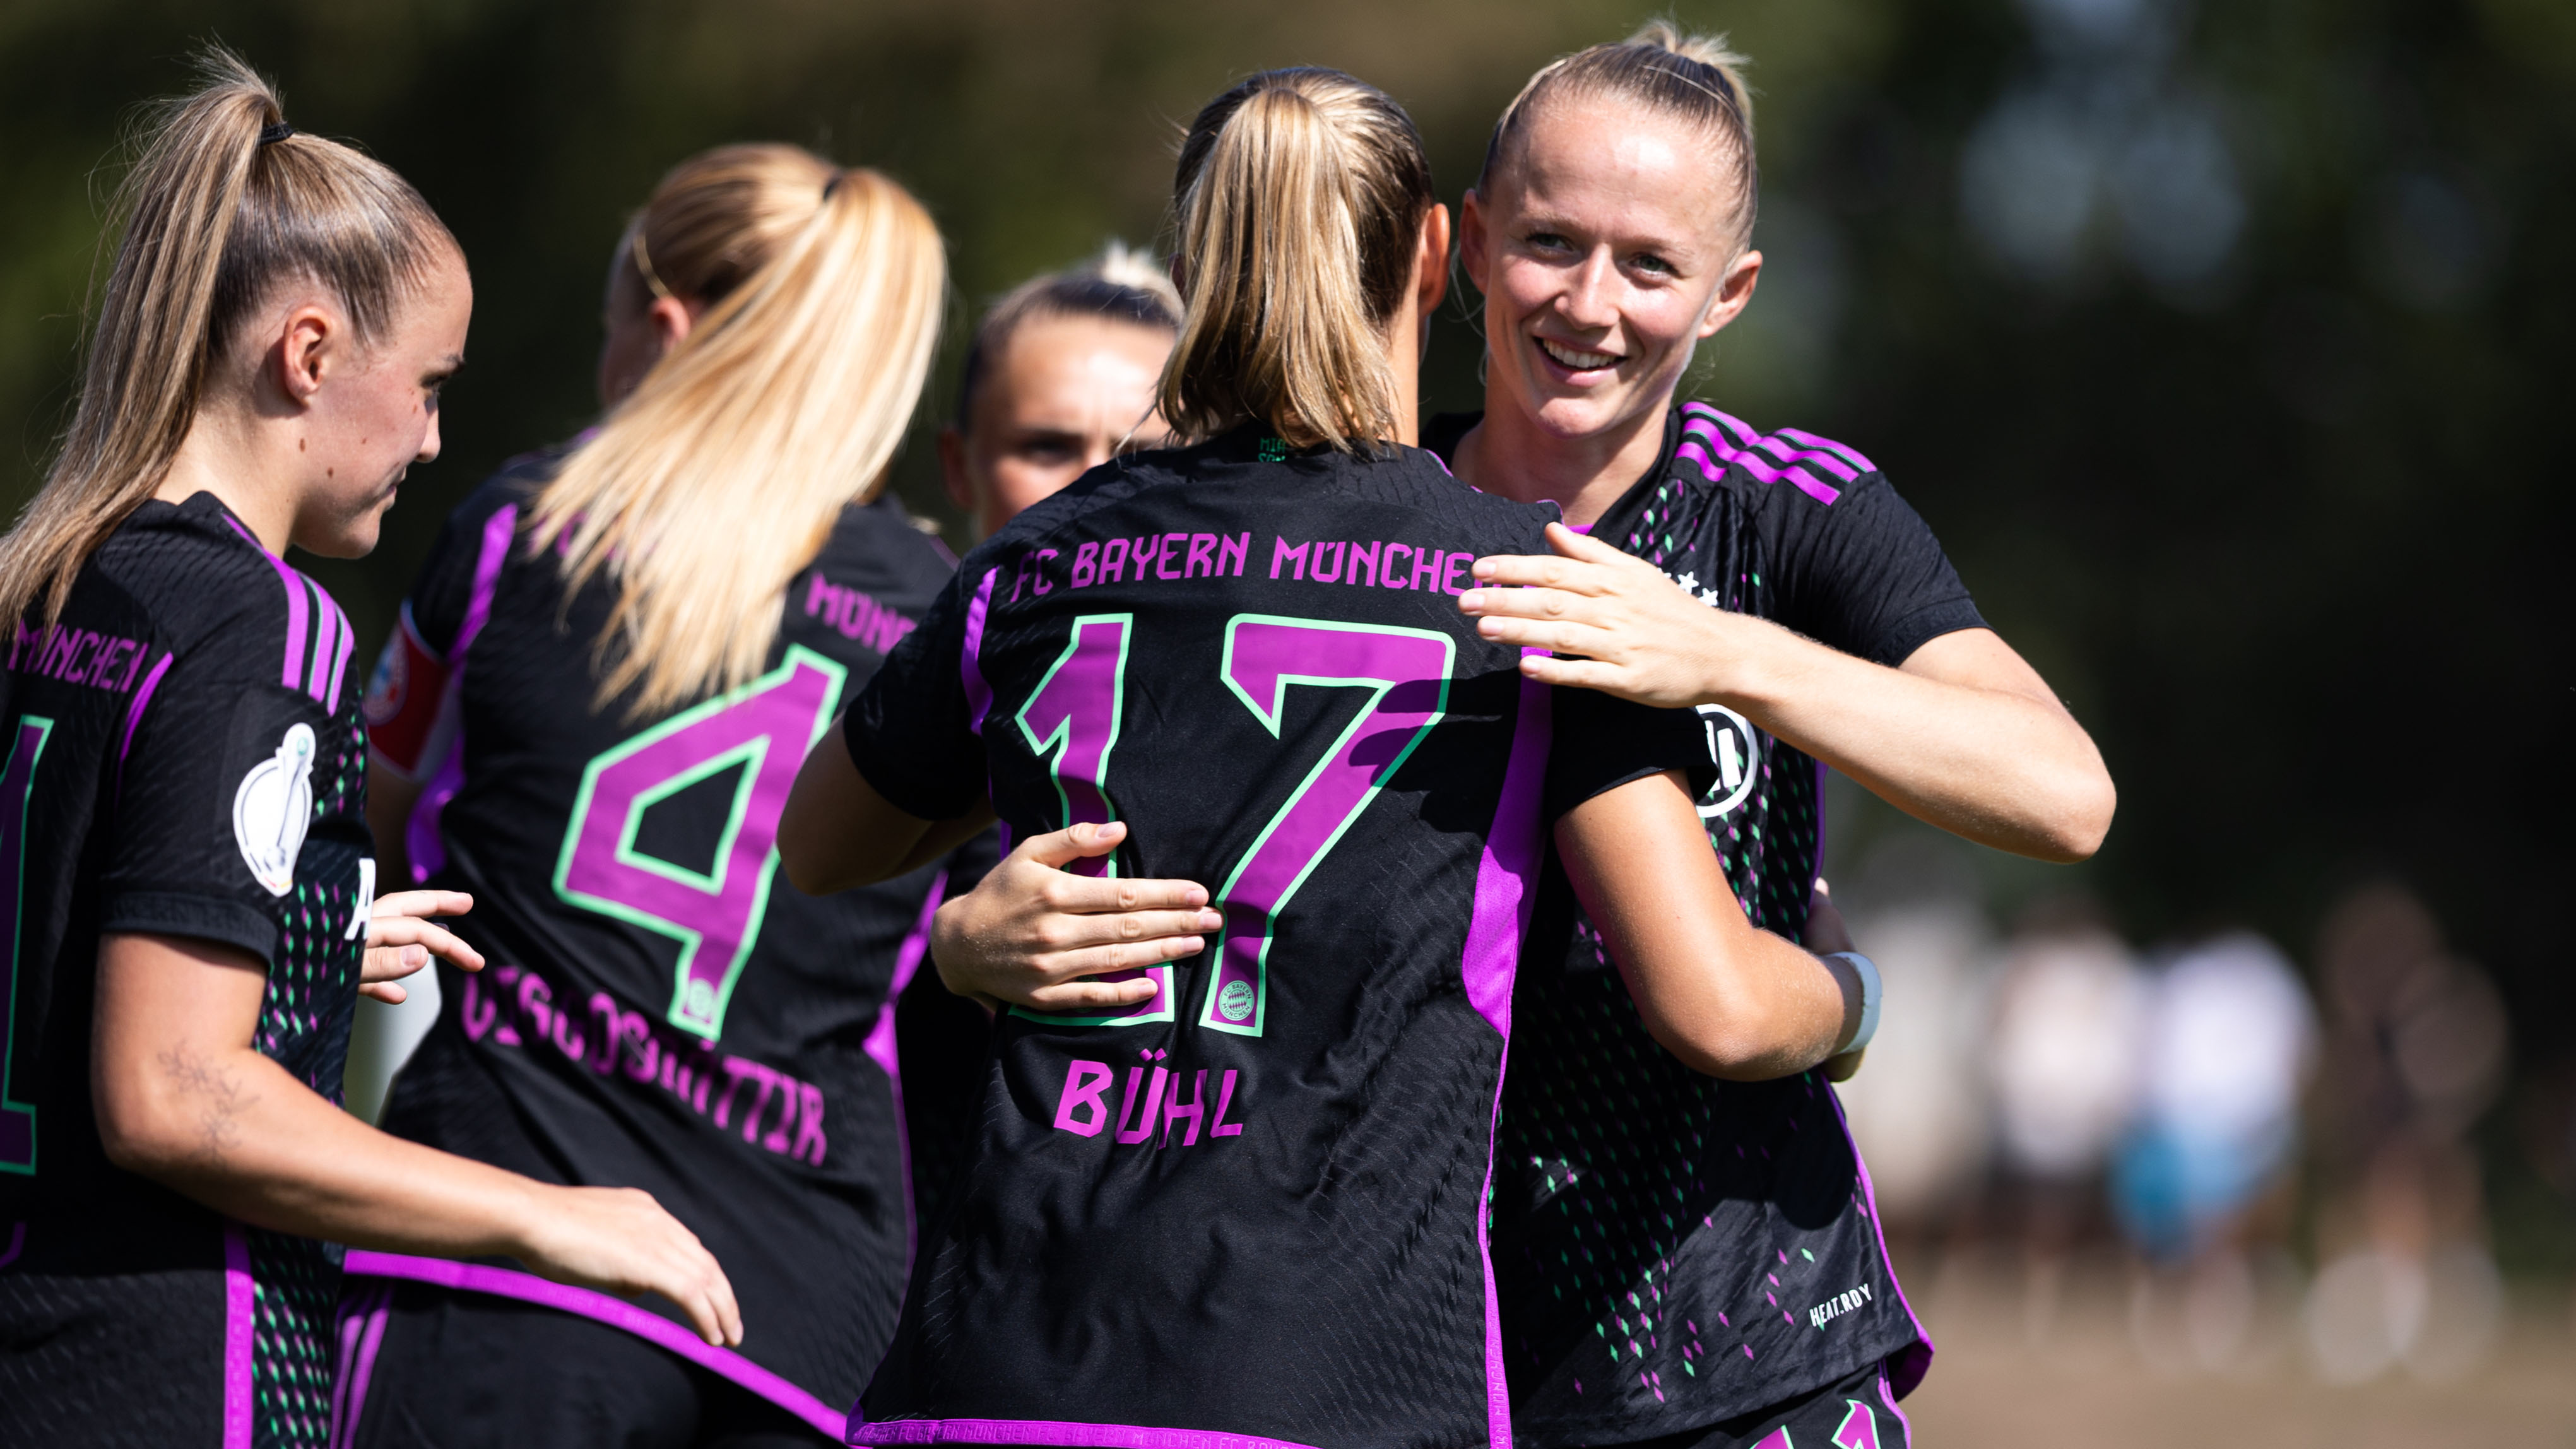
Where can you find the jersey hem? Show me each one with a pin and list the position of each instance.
(204, 918)
(661, 1332)
(1069, 1435)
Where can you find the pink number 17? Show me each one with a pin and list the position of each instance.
(1074, 715)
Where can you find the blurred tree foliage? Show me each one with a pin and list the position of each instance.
(2217, 343)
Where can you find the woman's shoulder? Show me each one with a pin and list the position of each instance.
(1722, 449)
(218, 598)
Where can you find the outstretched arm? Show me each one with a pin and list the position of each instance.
(184, 1099)
(1965, 736)
(1728, 999)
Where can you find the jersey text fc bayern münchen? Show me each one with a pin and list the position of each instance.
(184, 759)
(1250, 1209)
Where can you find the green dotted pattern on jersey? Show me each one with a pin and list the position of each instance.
(304, 1027)
(1611, 1134)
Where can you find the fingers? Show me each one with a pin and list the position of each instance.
(384, 991)
(1082, 895)
(390, 963)
(1578, 674)
(411, 931)
(1060, 848)
(1074, 995)
(422, 903)
(1071, 933)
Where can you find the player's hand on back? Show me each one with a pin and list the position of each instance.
(403, 937)
(1031, 933)
(619, 1240)
(1616, 623)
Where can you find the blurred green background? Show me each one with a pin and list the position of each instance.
(2216, 342)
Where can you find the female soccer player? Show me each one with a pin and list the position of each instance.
(601, 688)
(1705, 1269)
(188, 890)
(1251, 1203)
(1060, 375)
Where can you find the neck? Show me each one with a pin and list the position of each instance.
(234, 463)
(1404, 340)
(1510, 455)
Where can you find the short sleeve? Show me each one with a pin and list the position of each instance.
(912, 731)
(1867, 577)
(1599, 742)
(213, 800)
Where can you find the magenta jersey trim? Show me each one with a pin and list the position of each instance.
(17, 1244)
(427, 849)
(1069, 1436)
(1914, 1360)
(295, 605)
(881, 1049)
(601, 1308)
(1904, 1425)
(1505, 890)
(1713, 440)
(362, 1335)
(970, 663)
(241, 1324)
(142, 701)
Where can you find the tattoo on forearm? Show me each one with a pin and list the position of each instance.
(219, 1099)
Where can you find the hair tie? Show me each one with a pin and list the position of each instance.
(644, 262)
(270, 135)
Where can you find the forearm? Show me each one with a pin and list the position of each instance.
(234, 1131)
(1727, 999)
(2012, 770)
(838, 832)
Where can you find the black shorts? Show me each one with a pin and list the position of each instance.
(455, 1369)
(1856, 1412)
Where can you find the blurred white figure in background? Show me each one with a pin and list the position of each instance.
(2228, 1041)
(2415, 1055)
(2062, 1061)
(1917, 1109)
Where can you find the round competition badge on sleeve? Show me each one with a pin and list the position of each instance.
(1733, 749)
(273, 808)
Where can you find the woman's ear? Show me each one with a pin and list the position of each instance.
(1734, 290)
(1431, 261)
(672, 320)
(307, 347)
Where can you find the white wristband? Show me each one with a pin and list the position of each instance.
(1871, 994)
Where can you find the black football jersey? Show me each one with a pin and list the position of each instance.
(184, 758)
(660, 1009)
(1251, 1207)
(1673, 1250)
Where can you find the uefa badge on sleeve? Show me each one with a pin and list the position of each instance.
(273, 808)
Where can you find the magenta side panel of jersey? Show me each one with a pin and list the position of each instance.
(1505, 878)
(970, 663)
(1914, 1360)
(1064, 1435)
(601, 1308)
(880, 1047)
(240, 1323)
(420, 834)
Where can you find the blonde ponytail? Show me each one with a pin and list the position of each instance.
(722, 474)
(1694, 78)
(224, 200)
(1299, 198)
